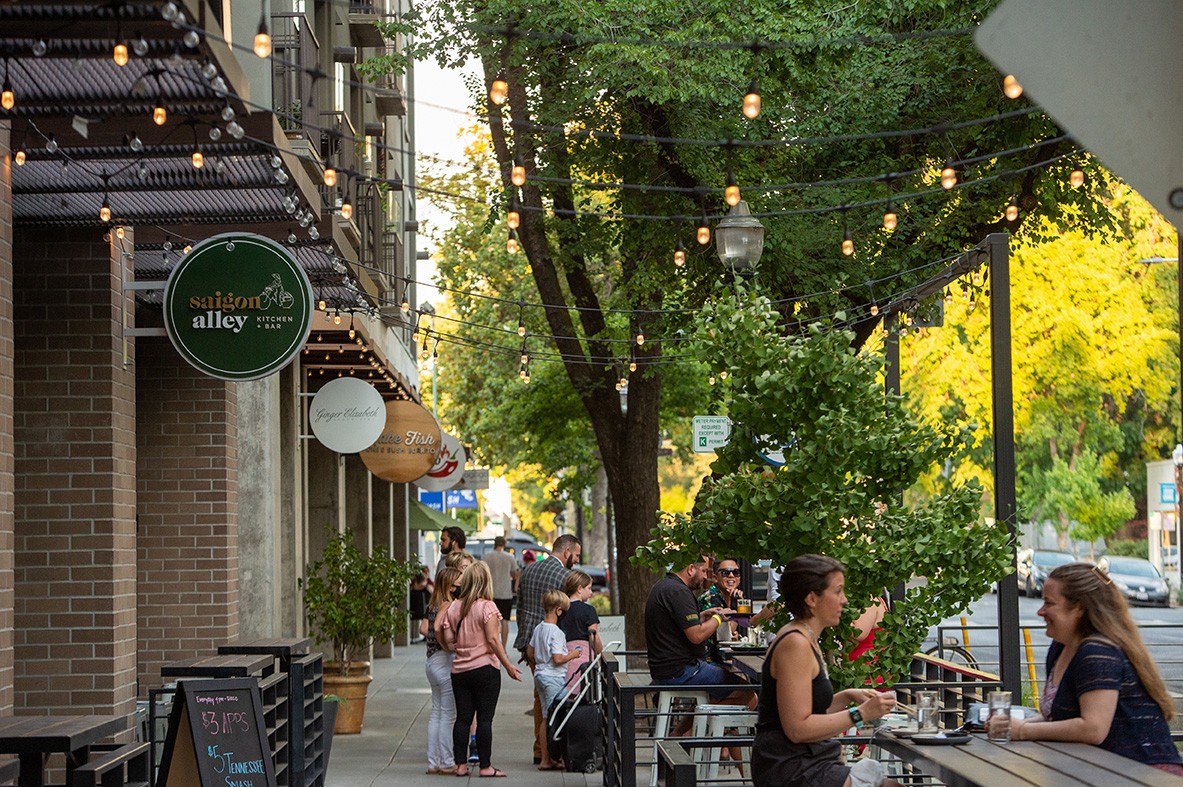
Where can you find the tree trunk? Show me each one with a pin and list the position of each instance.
(595, 551)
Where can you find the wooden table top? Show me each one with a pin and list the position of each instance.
(23, 734)
(981, 763)
(232, 666)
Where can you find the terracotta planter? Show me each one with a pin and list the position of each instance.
(352, 690)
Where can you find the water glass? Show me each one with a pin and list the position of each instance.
(926, 712)
(998, 718)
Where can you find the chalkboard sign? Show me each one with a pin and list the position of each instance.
(216, 737)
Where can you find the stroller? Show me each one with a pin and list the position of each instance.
(573, 729)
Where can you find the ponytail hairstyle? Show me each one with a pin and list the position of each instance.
(1106, 614)
(803, 575)
(575, 582)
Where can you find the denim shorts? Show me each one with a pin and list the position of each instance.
(704, 673)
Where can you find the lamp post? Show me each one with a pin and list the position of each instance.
(739, 239)
(1177, 458)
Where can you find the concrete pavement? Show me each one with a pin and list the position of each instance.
(391, 747)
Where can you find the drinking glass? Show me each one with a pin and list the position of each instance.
(998, 719)
(926, 712)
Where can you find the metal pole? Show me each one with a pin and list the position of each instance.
(1010, 657)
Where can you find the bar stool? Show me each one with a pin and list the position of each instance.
(712, 721)
(661, 728)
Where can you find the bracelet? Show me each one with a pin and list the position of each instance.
(718, 617)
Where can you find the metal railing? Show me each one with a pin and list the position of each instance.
(296, 55)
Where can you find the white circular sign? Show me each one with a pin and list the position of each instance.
(347, 415)
(448, 468)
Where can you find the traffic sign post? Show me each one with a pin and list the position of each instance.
(710, 433)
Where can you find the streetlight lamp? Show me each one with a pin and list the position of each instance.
(739, 239)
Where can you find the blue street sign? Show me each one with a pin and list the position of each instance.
(433, 500)
(1168, 494)
(461, 498)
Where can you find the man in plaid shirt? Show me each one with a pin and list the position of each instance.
(537, 578)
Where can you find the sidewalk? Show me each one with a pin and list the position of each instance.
(391, 747)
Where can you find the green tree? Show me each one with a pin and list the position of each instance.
(584, 81)
(1070, 495)
(849, 449)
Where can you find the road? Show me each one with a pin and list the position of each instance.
(1162, 630)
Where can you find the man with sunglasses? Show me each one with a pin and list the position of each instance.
(724, 592)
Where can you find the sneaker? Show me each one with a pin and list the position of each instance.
(472, 755)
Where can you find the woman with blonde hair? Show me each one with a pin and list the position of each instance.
(1102, 687)
(439, 676)
(472, 629)
(460, 560)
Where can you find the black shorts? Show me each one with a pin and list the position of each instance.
(504, 605)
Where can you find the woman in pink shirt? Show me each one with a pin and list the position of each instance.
(472, 629)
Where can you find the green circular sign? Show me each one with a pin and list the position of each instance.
(238, 306)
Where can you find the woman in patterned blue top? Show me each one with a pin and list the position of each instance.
(1102, 686)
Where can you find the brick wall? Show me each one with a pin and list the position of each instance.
(74, 492)
(6, 480)
(187, 508)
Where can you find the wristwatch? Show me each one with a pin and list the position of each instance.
(856, 717)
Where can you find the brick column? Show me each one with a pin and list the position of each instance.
(188, 510)
(6, 478)
(74, 490)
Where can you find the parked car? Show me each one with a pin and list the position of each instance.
(1032, 567)
(1137, 578)
(599, 576)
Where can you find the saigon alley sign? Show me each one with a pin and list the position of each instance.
(238, 306)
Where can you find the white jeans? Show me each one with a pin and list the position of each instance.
(443, 710)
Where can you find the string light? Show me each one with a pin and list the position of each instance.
(322, 305)
(159, 113)
(640, 338)
(731, 193)
(120, 54)
(890, 218)
(525, 356)
(352, 331)
(330, 177)
(521, 323)
(948, 296)
(751, 101)
(263, 38)
(1012, 209)
(51, 144)
(139, 45)
(517, 175)
(704, 231)
(499, 90)
(511, 243)
(948, 175)
(679, 255)
(874, 310)
(847, 240)
(20, 155)
(105, 210)
(337, 318)
(198, 158)
(7, 97)
(346, 208)
(1011, 87)
(1076, 179)
(513, 218)
(405, 305)
(711, 379)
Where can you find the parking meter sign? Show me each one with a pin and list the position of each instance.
(710, 433)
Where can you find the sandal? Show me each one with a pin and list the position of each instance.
(459, 772)
(449, 771)
(496, 774)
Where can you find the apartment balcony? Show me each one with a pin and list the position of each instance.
(296, 57)
(362, 28)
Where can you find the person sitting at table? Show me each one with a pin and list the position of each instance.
(724, 592)
(1102, 686)
(799, 712)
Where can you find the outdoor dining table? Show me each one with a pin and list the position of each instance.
(34, 738)
(981, 763)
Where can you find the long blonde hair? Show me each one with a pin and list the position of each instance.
(442, 592)
(475, 583)
(1106, 614)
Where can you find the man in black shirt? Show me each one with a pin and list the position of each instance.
(675, 631)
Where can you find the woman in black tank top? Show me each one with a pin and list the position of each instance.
(799, 712)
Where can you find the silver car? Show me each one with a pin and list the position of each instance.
(1137, 578)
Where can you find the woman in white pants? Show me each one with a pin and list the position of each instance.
(439, 675)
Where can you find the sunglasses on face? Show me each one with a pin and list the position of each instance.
(728, 572)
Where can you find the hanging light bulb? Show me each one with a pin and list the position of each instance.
(703, 235)
(105, 210)
(874, 310)
(521, 325)
(346, 209)
(263, 39)
(847, 243)
(7, 97)
(135, 143)
(731, 193)
(40, 48)
(632, 365)
(139, 45)
(1012, 209)
(337, 318)
(19, 158)
(511, 244)
(525, 357)
(751, 101)
(406, 302)
(120, 54)
(711, 379)
(321, 304)
(948, 296)
(198, 158)
(119, 232)
(513, 218)
(679, 255)
(51, 144)
(499, 90)
(948, 175)
(890, 218)
(517, 175)
(640, 339)
(1076, 179)
(1011, 87)
(330, 177)
(159, 113)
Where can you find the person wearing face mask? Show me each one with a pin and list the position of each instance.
(724, 592)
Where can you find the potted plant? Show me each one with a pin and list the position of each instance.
(353, 600)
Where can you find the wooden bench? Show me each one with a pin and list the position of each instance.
(129, 765)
